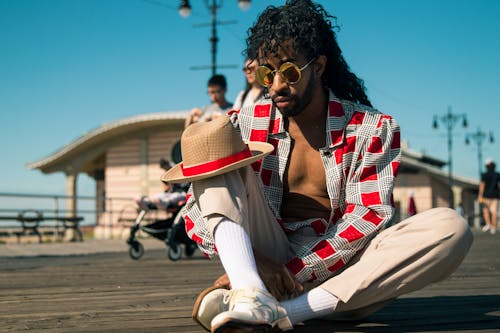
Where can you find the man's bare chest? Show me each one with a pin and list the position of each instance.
(305, 169)
(305, 192)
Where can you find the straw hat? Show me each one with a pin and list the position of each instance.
(213, 148)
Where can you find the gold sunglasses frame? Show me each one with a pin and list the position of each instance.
(259, 78)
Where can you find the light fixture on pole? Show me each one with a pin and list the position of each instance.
(478, 137)
(185, 8)
(244, 4)
(449, 120)
(213, 6)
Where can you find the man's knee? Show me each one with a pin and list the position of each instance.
(443, 229)
(446, 221)
(452, 232)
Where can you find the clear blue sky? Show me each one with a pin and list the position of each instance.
(69, 66)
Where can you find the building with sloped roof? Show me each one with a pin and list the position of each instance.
(424, 178)
(122, 157)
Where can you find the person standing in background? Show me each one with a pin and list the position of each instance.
(253, 91)
(489, 193)
(217, 88)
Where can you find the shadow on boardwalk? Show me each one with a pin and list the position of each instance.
(425, 314)
(109, 292)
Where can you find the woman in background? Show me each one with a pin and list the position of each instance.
(253, 91)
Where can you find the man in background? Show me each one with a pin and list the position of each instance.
(217, 88)
(488, 196)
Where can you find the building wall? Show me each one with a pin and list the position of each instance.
(160, 146)
(124, 170)
(132, 170)
(440, 194)
(410, 183)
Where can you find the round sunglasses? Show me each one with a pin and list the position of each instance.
(288, 71)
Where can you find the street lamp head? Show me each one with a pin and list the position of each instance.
(185, 8)
(244, 4)
(213, 6)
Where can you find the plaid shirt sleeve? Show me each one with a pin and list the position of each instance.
(370, 161)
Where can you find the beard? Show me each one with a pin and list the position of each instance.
(296, 104)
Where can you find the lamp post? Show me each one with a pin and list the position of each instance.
(450, 120)
(478, 137)
(213, 6)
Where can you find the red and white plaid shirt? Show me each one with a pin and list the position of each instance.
(361, 160)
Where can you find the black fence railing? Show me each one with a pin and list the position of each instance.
(55, 205)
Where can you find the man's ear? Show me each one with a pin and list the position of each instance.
(320, 65)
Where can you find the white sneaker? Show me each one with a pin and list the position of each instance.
(493, 231)
(252, 309)
(209, 304)
(486, 228)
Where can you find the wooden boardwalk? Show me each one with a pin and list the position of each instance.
(111, 293)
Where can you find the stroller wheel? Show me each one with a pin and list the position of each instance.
(174, 252)
(190, 249)
(136, 250)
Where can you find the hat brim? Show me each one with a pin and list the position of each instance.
(257, 149)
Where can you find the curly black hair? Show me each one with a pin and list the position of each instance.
(311, 32)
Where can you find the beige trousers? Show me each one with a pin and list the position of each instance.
(420, 250)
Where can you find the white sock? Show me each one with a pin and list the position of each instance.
(314, 304)
(236, 254)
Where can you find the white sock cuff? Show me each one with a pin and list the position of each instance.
(314, 304)
(319, 299)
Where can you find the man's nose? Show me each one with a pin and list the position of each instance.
(278, 82)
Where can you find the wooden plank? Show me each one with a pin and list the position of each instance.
(112, 293)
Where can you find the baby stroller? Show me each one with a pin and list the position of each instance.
(171, 231)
